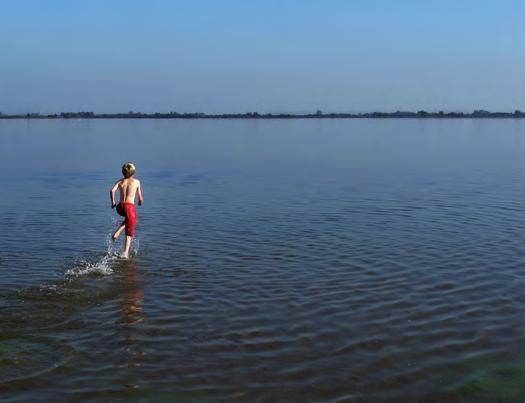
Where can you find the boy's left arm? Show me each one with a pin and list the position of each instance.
(139, 191)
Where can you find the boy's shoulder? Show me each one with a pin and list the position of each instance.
(133, 181)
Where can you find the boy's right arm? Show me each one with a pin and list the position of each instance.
(112, 194)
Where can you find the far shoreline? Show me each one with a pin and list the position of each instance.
(477, 114)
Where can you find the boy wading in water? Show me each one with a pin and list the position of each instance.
(128, 187)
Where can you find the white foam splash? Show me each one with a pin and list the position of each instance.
(103, 266)
(84, 268)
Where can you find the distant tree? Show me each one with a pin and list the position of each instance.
(480, 113)
(441, 113)
(318, 112)
(422, 113)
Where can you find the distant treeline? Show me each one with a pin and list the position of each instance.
(255, 115)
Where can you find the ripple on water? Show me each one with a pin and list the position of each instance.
(24, 358)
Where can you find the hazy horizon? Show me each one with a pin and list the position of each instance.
(272, 56)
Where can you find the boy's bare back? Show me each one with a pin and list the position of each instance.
(128, 188)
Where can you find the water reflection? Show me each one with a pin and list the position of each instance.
(131, 309)
(131, 313)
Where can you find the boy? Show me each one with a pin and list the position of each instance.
(128, 187)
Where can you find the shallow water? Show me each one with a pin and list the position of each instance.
(319, 260)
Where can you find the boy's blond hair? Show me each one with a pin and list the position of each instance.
(128, 169)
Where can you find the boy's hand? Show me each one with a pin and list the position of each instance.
(113, 205)
(140, 202)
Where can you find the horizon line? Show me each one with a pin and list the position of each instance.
(477, 113)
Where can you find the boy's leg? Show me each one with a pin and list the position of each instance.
(127, 245)
(131, 219)
(119, 230)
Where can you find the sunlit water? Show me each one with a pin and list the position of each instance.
(318, 260)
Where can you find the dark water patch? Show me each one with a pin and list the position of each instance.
(25, 358)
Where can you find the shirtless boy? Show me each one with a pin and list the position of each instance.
(128, 187)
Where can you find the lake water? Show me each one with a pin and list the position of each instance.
(275, 261)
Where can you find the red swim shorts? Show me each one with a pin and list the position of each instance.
(128, 211)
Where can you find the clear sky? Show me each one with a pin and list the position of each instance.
(267, 56)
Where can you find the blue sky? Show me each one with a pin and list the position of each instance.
(267, 56)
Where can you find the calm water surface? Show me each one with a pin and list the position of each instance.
(276, 261)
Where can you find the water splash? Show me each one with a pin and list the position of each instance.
(134, 249)
(84, 267)
(104, 265)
